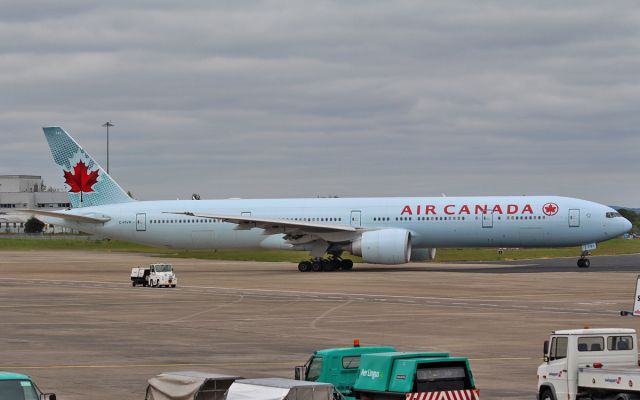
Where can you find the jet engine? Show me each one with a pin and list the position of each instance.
(423, 254)
(384, 246)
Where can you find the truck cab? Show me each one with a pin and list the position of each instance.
(570, 353)
(21, 387)
(338, 366)
(162, 275)
(405, 375)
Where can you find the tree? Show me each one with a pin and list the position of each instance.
(33, 225)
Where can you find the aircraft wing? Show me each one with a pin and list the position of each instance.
(67, 217)
(270, 224)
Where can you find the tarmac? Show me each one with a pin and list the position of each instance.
(72, 320)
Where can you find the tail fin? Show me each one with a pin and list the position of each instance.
(86, 182)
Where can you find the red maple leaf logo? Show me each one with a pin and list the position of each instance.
(550, 209)
(81, 180)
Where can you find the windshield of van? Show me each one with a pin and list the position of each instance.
(315, 367)
(18, 390)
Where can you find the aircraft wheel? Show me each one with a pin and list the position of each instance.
(584, 263)
(331, 264)
(346, 265)
(316, 266)
(304, 266)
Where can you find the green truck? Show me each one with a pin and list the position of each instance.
(20, 387)
(382, 373)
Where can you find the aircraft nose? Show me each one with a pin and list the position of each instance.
(627, 225)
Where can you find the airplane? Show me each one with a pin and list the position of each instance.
(394, 230)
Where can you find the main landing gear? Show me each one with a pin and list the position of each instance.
(325, 264)
(584, 262)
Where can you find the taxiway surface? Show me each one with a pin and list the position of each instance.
(73, 321)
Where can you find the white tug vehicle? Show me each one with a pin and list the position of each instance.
(155, 275)
(595, 364)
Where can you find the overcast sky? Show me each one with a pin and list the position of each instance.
(349, 98)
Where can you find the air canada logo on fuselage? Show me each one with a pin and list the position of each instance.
(550, 209)
(468, 209)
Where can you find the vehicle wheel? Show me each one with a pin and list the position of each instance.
(173, 286)
(581, 263)
(304, 266)
(546, 394)
(623, 396)
(316, 266)
(346, 265)
(331, 265)
(133, 283)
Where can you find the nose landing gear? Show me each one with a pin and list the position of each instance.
(584, 262)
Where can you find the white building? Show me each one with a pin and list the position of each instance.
(26, 191)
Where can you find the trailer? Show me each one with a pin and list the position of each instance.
(594, 364)
(279, 389)
(189, 385)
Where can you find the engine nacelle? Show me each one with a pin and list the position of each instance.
(384, 246)
(427, 254)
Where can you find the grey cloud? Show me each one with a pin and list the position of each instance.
(289, 98)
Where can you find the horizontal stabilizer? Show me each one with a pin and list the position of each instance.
(68, 217)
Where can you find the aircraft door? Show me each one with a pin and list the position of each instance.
(141, 222)
(356, 218)
(487, 220)
(574, 217)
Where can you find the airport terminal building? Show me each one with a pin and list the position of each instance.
(27, 191)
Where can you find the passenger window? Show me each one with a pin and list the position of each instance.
(558, 348)
(590, 343)
(351, 362)
(619, 343)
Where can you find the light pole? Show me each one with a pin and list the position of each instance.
(107, 125)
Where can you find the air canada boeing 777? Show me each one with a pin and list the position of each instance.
(393, 230)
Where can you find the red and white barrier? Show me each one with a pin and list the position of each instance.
(472, 394)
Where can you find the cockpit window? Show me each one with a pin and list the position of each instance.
(613, 214)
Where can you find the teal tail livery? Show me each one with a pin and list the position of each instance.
(381, 230)
(86, 182)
